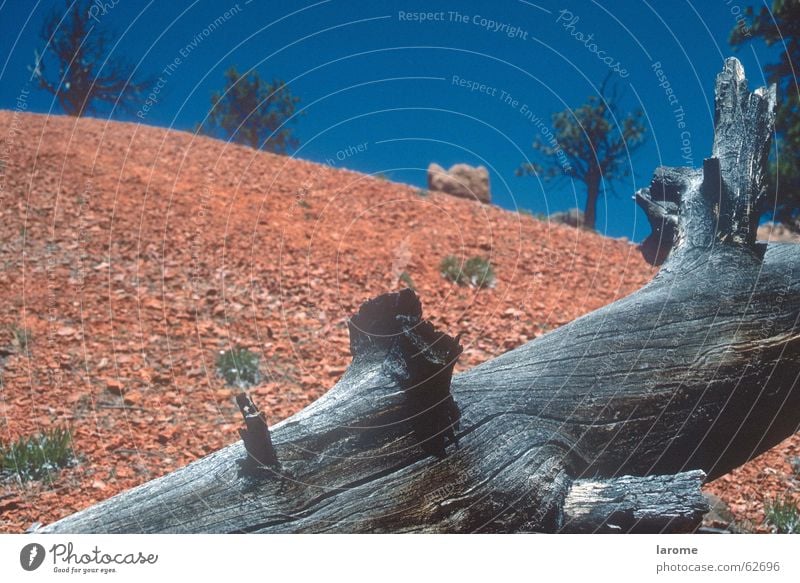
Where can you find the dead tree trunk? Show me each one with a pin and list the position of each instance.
(696, 372)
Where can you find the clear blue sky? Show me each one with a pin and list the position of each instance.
(372, 73)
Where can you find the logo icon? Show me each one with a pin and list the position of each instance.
(31, 556)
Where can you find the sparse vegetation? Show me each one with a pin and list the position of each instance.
(782, 515)
(450, 268)
(476, 271)
(423, 192)
(407, 281)
(794, 462)
(22, 337)
(36, 457)
(239, 367)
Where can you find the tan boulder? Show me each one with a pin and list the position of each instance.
(778, 233)
(461, 180)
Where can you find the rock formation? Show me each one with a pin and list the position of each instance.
(461, 180)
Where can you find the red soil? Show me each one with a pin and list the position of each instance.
(135, 254)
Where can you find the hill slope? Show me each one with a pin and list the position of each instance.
(133, 255)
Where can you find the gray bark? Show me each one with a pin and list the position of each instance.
(666, 504)
(696, 371)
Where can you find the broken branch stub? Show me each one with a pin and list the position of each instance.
(630, 504)
(691, 210)
(256, 437)
(421, 360)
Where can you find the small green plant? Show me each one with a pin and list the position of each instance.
(406, 279)
(36, 457)
(303, 203)
(423, 192)
(450, 268)
(239, 367)
(794, 462)
(476, 271)
(781, 514)
(22, 337)
(382, 176)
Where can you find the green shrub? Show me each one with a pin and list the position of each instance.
(794, 462)
(406, 279)
(36, 457)
(423, 192)
(239, 367)
(450, 268)
(782, 515)
(476, 271)
(22, 337)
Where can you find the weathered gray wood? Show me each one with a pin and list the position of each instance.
(698, 370)
(664, 504)
(695, 210)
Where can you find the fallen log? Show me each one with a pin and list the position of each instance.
(697, 371)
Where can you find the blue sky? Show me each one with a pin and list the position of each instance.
(388, 76)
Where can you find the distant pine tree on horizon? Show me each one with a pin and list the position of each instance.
(253, 112)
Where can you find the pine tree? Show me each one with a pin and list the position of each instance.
(591, 144)
(253, 112)
(84, 74)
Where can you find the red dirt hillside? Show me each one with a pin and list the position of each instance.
(133, 255)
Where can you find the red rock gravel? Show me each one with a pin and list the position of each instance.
(135, 254)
